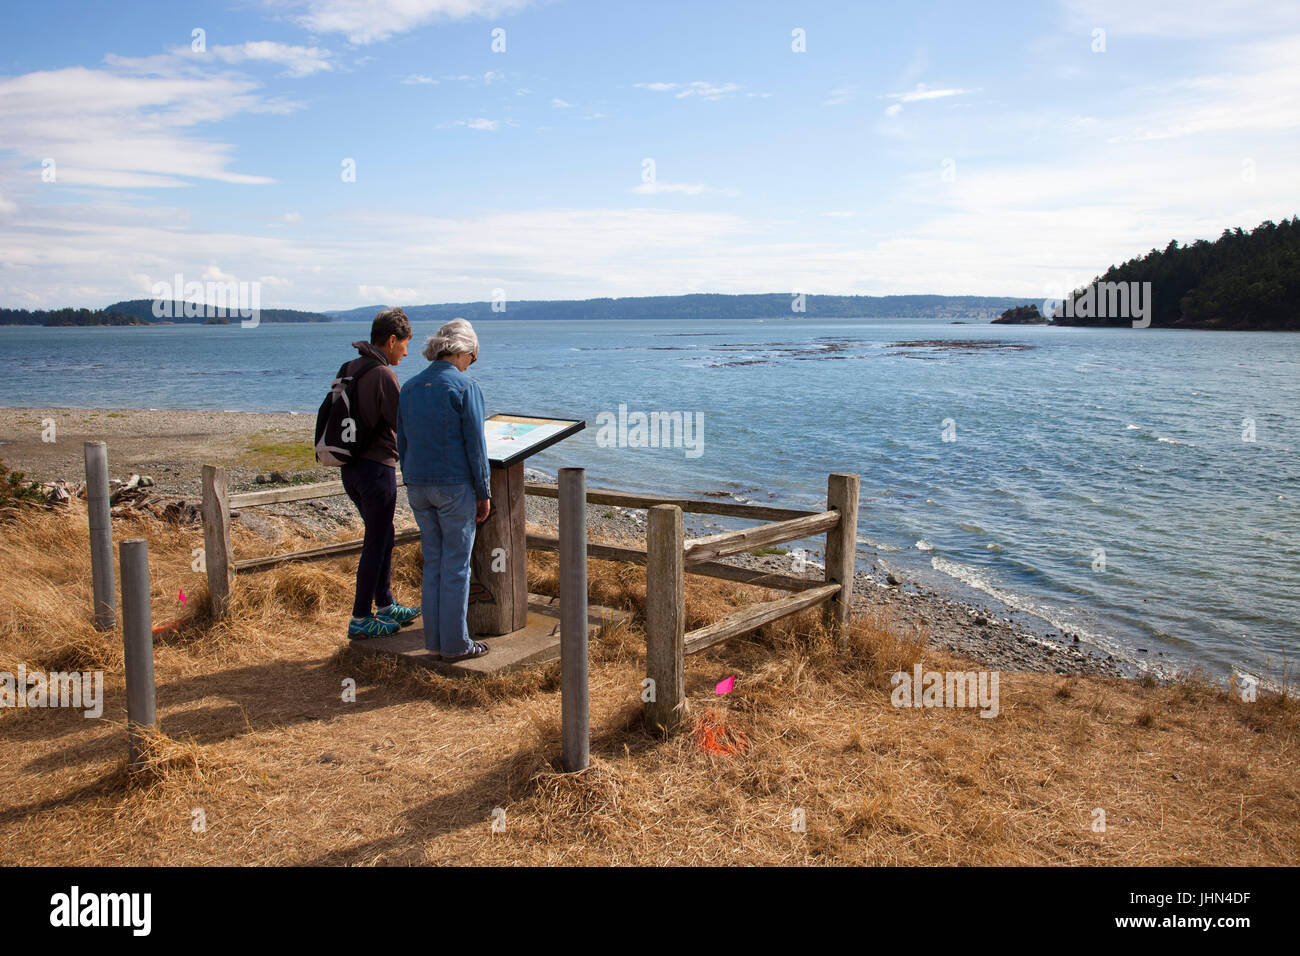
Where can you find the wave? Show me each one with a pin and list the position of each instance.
(979, 581)
(877, 545)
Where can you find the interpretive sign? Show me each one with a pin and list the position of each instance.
(512, 438)
(498, 597)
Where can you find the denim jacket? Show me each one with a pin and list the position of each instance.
(440, 438)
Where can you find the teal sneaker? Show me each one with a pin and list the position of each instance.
(362, 628)
(398, 614)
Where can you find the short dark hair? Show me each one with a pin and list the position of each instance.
(390, 322)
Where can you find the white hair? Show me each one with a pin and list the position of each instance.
(455, 337)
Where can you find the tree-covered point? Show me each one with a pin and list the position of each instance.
(67, 317)
(1242, 280)
(1021, 315)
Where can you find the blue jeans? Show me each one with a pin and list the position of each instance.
(445, 514)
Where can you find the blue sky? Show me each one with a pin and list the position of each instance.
(998, 149)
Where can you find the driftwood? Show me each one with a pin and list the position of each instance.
(134, 496)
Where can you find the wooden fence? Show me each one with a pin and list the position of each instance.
(668, 557)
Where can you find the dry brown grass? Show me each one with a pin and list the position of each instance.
(256, 734)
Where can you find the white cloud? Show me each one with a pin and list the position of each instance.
(893, 109)
(922, 92)
(840, 95)
(214, 274)
(1256, 90)
(388, 295)
(126, 127)
(416, 79)
(298, 60)
(689, 189)
(368, 21)
(700, 88)
(479, 123)
(560, 104)
(1176, 18)
(656, 188)
(292, 217)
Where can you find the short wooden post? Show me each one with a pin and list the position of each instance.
(216, 538)
(574, 723)
(841, 553)
(665, 650)
(99, 511)
(137, 640)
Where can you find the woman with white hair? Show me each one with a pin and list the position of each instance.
(443, 452)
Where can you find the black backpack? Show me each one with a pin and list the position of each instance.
(341, 433)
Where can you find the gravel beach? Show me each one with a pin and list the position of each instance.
(171, 446)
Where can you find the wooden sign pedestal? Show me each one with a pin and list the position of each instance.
(498, 593)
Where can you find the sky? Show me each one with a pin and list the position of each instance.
(344, 153)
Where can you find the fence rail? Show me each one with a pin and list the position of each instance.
(668, 557)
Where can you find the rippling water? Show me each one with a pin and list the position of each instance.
(1099, 478)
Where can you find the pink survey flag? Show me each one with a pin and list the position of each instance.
(725, 686)
(181, 595)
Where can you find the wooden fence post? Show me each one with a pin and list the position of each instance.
(216, 538)
(99, 513)
(574, 722)
(137, 642)
(665, 650)
(841, 553)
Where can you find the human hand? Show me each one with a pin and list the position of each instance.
(484, 509)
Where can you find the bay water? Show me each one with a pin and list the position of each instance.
(1138, 487)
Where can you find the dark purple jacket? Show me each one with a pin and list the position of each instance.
(378, 394)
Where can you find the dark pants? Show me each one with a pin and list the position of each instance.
(373, 489)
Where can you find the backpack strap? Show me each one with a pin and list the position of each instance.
(366, 366)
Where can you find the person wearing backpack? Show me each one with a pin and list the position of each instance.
(367, 445)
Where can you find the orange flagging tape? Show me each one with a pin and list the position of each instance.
(715, 737)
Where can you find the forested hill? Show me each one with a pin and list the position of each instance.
(140, 312)
(55, 317)
(1242, 280)
(144, 309)
(776, 305)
